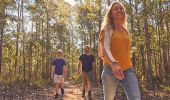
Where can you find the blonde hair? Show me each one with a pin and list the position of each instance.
(108, 21)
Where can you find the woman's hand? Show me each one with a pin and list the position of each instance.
(117, 71)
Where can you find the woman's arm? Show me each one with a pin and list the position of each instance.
(107, 46)
(104, 49)
(112, 62)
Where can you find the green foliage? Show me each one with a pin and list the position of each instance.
(40, 83)
(75, 77)
(166, 88)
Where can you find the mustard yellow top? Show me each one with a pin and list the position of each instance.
(120, 49)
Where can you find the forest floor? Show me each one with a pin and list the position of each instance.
(72, 92)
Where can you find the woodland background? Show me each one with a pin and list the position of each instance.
(32, 30)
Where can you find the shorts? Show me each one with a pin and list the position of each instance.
(58, 78)
(87, 76)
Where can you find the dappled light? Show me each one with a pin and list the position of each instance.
(32, 30)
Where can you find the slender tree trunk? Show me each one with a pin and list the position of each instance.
(137, 18)
(148, 69)
(47, 48)
(143, 60)
(30, 57)
(168, 49)
(17, 40)
(1, 39)
(2, 19)
(72, 55)
(30, 62)
(168, 38)
(34, 66)
(2, 22)
(22, 16)
(160, 42)
(155, 62)
(69, 53)
(132, 32)
(43, 51)
(165, 61)
(166, 54)
(135, 39)
(131, 16)
(100, 60)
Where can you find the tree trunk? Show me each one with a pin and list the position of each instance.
(43, 50)
(30, 53)
(143, 60)
(131, 16)
(17, 40)
(132, 32)
(2, 22)
(72, 55)
(47, 48)
(160, 43)
(23, 32)
(147, 37)
(155, 62)
(168, 49)
(1, 48)
(167, 53)
(100, 60)
(2, 19)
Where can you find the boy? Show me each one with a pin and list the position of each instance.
(58, 72)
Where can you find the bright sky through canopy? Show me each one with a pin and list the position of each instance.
(70, 1)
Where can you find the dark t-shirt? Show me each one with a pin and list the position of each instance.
(87, 61)
(59, 65)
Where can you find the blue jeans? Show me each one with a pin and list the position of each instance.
(129, 83)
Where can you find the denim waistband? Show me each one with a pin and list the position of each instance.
(108, 71)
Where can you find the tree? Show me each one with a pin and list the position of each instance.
(3, 16)
(2, 23)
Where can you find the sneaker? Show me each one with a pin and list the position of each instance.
(56, 95)
(62, 91)
(83, 93)
(89, 95)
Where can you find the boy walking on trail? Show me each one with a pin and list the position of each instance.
(87, 62)
(58, 73)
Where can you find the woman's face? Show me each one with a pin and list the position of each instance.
(117, 12)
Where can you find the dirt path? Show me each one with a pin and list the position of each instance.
(73, 92)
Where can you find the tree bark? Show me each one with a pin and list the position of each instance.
(149, 77)
(1, 43)
(100, 22)
(47, 46)
(23, 32)
(2, 19)
(17, 38)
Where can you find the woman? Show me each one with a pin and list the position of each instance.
(114, 48)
